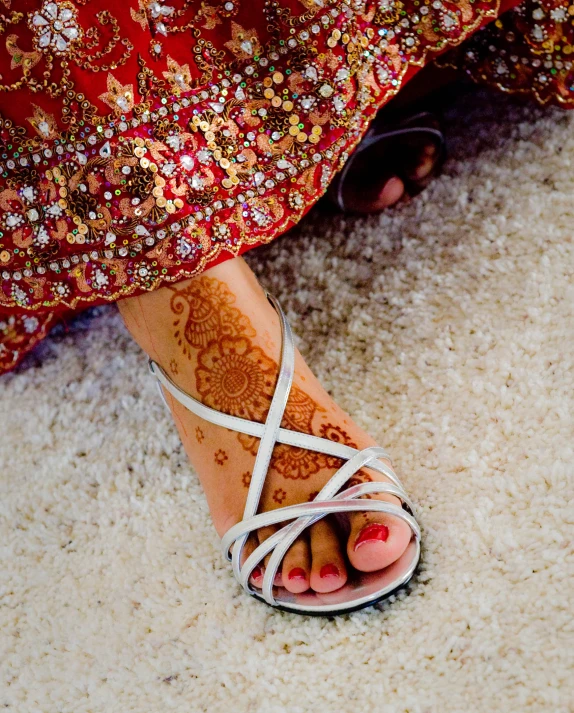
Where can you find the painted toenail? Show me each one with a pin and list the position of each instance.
(329, 570)
(297, 573)
(372, 533)
(256, 574)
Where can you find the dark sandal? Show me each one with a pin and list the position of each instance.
(423, 123)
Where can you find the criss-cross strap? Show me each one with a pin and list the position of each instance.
(330, 500)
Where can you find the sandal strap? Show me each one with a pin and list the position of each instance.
(253, 428)
(330, 500)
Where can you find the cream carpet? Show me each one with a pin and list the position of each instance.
(446, 328)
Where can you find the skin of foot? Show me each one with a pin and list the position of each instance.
(219, 339)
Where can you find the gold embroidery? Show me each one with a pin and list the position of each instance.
(194, 158)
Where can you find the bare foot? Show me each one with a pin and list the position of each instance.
(218, 338)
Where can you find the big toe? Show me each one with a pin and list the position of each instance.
(376, 540)
(391, 192)
(372, 197)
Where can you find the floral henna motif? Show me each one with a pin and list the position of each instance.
(173, 367)
(336, 433)
(209, 314)
(220, 457)
(235, 377)
(246, 478)
(279, 496)
(199, 435)
(297, 463)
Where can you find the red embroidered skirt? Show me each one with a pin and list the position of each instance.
(143, 141)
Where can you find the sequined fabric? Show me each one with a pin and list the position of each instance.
(144, 141)
(528, 51)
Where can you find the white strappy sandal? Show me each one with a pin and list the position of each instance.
(363, 588)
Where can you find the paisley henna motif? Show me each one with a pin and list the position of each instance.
(300, 411)
(207, 303)
(335, 433)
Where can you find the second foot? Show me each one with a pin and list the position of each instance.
(386, 169)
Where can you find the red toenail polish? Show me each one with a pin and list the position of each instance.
(372, 533)
(329, 570)
(256, 574)
(297, 573)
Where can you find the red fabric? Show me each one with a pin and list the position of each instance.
(145, 141)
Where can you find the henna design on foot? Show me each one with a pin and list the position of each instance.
(279, 496)
(337, 434)
(173, 367)
(220, 457)
(297, 463)
(209, 314)
(199, 435)
(246, 479)
(235, 377)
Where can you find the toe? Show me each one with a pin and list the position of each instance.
(422, 162)
(256, 578)
(391, 192)
(296, 568)
(371, 193)
(376, 540)
(328, 570)
(375, 200)
(263, 534)
(424, 168)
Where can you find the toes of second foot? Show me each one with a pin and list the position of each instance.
(391, 192)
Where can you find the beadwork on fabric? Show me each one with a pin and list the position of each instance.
(144, 141)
